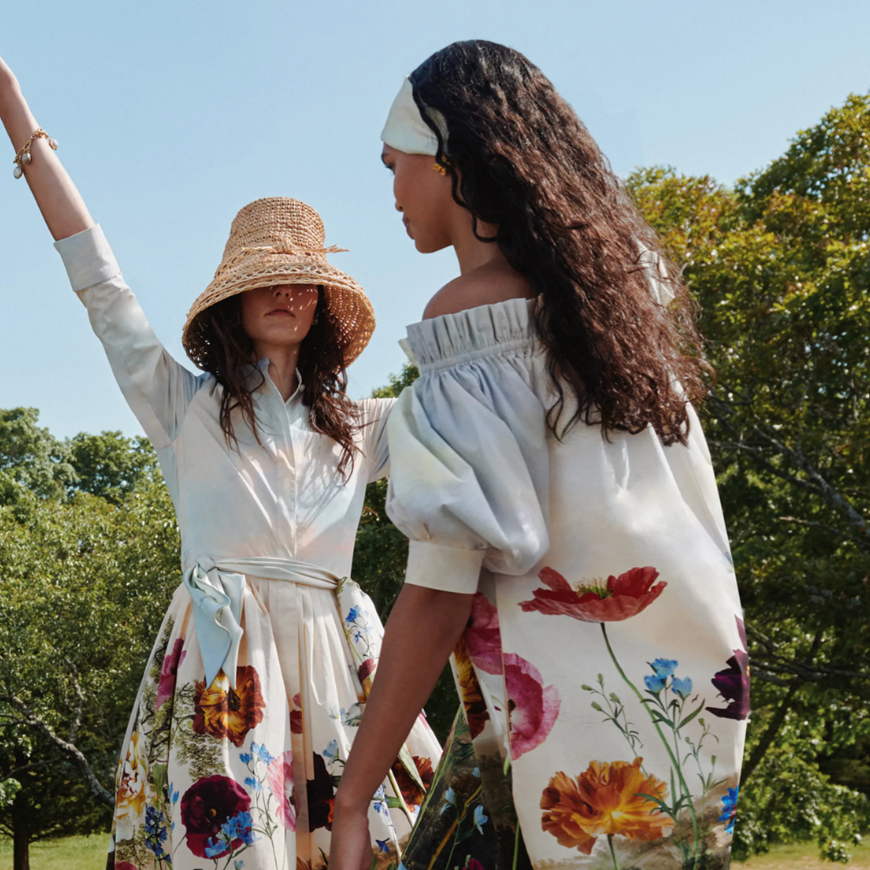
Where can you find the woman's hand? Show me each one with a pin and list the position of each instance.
(350, 847)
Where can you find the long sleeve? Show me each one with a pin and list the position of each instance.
(374, 444)
(156, 387)
(469, 478)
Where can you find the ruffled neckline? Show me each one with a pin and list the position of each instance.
(470, 334)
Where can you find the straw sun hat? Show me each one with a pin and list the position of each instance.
(281, 241)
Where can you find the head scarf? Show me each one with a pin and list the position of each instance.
(406, 130)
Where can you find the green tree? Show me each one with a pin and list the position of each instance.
(110, 465)
(85, 586)
(31, 459)
(781, 268)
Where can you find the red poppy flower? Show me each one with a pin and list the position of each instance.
(208, 805)
(620, 598)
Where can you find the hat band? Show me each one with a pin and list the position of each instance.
(242, 253)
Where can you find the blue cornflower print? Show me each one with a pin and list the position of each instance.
(664, 667)
(655, 684)
(683, 687)
(331, 751)
(383, 846)
(263, 754)
(214, 849)
(449, 800)
(479, 819)
(246, 758)
(353, 614)
(729, 809)
(252, 783)
(173, 794)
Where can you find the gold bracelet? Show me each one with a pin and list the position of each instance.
(23, 157)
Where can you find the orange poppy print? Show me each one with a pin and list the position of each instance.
(607, 799)
(228, 713)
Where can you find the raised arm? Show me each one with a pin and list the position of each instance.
(156, 387)
(62, 207)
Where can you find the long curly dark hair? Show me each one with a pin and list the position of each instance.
(521, 160)
(321, 365)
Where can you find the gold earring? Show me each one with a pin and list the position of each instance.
(439, 168)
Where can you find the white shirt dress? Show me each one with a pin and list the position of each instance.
(256, 683)
(604, 670)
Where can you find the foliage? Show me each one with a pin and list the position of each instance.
(110, 465)
(85, 585)
(31, 459)
(781, 269)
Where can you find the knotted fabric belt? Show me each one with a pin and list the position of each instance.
(217, 590)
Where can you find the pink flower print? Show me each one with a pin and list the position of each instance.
(533, 707)
(280, 779)
(620, 598)
(169, 672)
(482, 637)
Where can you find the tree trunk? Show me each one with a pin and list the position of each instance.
(21, 848)
(21, 832)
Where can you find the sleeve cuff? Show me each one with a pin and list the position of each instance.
(448, 569)
(88, 258)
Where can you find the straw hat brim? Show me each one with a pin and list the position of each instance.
(346, 301)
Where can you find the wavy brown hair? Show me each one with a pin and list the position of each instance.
(521, 160)
(321, 365)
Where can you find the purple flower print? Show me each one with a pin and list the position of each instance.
(733, 683)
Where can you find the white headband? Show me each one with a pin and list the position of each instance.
(406, 130)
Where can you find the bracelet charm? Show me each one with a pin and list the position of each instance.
(23, 157)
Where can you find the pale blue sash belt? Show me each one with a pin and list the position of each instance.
(217, 589)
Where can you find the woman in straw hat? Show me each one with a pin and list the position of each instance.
(256, 683)
(567, 541)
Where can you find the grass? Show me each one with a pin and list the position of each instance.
(800, 856)
(89, 853)
(73, 853)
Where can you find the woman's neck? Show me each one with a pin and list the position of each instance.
(283, 362)
(471, 252)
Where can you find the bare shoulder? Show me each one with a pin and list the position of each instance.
(485, 286)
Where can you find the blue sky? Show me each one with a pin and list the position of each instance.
(171, 116)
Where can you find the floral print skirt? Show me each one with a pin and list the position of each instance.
(628, 760)
(242, 774)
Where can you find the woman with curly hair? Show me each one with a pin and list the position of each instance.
(255, 685)
(567, 544)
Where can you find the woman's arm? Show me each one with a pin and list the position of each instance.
(422, 631)
(61, 205)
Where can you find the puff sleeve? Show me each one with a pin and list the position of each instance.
(469, 481)
(157, 389)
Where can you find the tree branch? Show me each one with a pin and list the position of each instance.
(78, 757)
